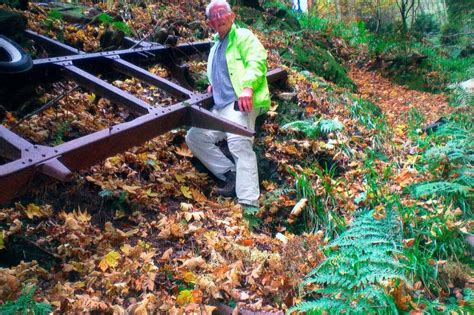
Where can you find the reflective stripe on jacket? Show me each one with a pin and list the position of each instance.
(247, 65)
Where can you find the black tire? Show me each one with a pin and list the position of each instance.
(12, 57)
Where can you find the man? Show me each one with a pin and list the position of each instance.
(236, 71)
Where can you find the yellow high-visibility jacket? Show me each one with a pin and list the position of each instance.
(247, 65)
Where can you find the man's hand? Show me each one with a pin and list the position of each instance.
(246, 100)
(209, 89)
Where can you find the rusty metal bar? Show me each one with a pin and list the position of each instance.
(57, 162)
(29, 161)
(13, 139)
(53, 44)
(55, 169)
(105, 89)
(159, 50)
(122, 66)
(150, 78)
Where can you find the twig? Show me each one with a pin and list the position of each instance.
(45, 106)
(146, 36)
(40, 248)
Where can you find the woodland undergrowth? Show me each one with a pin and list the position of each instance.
(366, 200)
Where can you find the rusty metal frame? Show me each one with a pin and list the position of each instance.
(28, 161)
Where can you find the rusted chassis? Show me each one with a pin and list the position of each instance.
(29, 164)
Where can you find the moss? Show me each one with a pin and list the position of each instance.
(307, 53)
(277, 19)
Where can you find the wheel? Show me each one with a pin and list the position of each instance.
(12, 57)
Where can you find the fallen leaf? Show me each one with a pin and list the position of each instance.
(194, 262)
(183, 150)
(33, 210)
(91, 97)
(167, 254)
(110, 260)
(408, 242)
(184, 297)
(2, 243)
(186, 206)
(291, 149)
(198, 196)
(186, 192)
(130, 189)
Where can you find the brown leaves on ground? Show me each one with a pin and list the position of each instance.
(396, 100)
(171, 245)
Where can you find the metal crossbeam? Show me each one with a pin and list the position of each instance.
(158, 50)
(28, 161)
(105, 89)
(132, 70)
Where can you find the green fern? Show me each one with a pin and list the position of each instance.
(25, 304)
(367, 113)
(440, 188)
(450, 160)
(459, 150)
(461, 97)
(359, 263)
(330, 125)
(315, 129)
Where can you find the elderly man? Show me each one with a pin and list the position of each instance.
(236, 71)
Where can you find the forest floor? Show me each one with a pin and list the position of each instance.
(395, 100)
(145, 231)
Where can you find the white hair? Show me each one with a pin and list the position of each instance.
(215, 2)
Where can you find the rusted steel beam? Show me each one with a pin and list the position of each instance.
(150, 78)
(105, 89)
(52, 44)
(26, 163)
(57, 162)
(202, 118)
(122, 66)
(29, 161)
(277, 74)
(180, 51)
(11, 144)
(55, 169)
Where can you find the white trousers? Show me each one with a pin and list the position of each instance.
(202, 143)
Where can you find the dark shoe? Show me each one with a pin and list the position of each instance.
(229, 188)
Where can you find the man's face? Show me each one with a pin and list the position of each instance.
(220, 20)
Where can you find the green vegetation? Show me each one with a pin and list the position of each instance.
(55, 21)
(318, 60)
(109, 21)
(396, 245)
(315, 129)
(25, 304)
(359, 264)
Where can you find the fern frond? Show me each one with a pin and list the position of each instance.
(439, 189)
(466, 176)
(456, 151)
(25, 304)
(315, 129)
(317, 306)
(300, 125)
(359, 263)
(329, 125)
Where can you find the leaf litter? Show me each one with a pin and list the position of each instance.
(169, 244)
